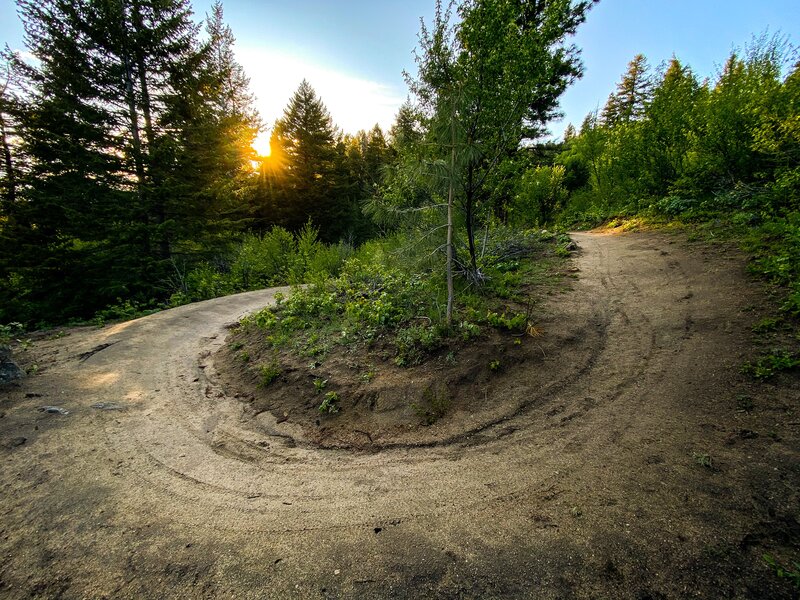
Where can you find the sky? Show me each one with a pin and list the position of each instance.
(353, 52)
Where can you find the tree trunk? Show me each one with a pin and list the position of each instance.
(138, 26)
(136, 140)
(158, 208)
(133, 117)
(11, 185)
(470, 218)
(450, 292)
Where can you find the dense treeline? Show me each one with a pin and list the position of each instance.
(127, 160)
(315, 173)
(128, 130)
(670, 134)
(672, 145)
(129, 181)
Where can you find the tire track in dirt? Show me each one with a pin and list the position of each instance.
(589, 466)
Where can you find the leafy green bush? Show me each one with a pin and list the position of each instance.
(792, 573)
(263, 261)
(269, 372)
(772, 363)
(414, 342)
(329, 403)
(673, 206)
(126, 310)
(9, 332)
(204, 282)
(275, 258)
(514, 322)
(540, 194)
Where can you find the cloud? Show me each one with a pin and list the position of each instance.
(354, 103)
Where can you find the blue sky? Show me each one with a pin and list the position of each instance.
(353, 51)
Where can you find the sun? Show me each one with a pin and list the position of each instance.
(261, 144)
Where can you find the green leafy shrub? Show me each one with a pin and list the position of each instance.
(468, 330)
(269, 372)
(540, 194)
(414, 342)
(435, 404)
(9, 332)
(673, 206)
(201, 283)
(515, 322)
(125, 310)
(329, 403)
(263, 261)
(260, 261)
(783, 572)
(770, 364)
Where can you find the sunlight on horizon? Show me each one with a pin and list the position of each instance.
(353, 103)
(261, 144)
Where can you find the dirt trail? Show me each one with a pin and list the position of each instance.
(628, 471)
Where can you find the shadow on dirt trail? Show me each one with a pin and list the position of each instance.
(643, 473)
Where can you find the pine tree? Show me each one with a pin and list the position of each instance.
(132, 129)
(671, 126)
(569, 133)
(75, 187)
(734, 107)
(406, 130)
(778, 140)
(306, 139)
(214, 162)
(11, 165)
(9, 108)
(633, 92)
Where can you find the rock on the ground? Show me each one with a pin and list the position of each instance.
(9, 370)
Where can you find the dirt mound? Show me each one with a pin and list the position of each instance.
(461, 390)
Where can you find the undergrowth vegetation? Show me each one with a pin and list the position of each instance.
(255, 261)
(389, 296)
(259, 261)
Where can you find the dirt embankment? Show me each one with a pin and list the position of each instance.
(629, 459)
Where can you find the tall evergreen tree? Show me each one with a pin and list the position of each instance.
(11, 165)
(671, 126)
(306, 139)
(77, 189)
(733, 109)
(213, 161)
(127, 132)
(407, 128)
(633, 93)
(9, 108)
(778, 140)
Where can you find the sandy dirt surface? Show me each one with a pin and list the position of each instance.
(636, 463)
